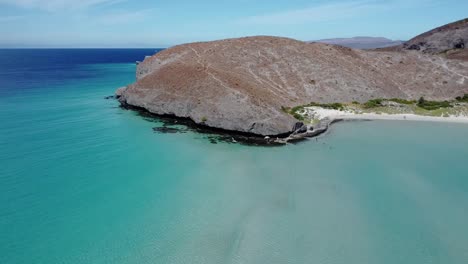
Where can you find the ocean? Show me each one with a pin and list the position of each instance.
(84, 181)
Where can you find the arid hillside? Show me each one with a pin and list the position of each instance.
(242, 84)
(449, 41)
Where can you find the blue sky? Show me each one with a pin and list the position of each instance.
(146, 23)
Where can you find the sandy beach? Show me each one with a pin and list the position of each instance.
(321, 113)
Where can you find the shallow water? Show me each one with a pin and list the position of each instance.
(83, 181)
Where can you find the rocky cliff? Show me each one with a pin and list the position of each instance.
(242, 84)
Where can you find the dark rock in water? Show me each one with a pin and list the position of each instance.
(171, 125)
(167, 130)
(109, 97)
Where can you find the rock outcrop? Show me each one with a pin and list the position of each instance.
(242, 84)
(450, 41)
(442, 39)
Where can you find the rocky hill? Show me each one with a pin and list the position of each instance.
(242, 84)
(441, 39)
(450, 41)
(362, 42)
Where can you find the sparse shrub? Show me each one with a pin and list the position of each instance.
(336, 106)
(421, 101)
(296, 109)
(298, 116)
(433, 105)
(204, 119)
(462, 99)
(373, 103)
(402, 101)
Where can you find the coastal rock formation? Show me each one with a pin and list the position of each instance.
(242, 84)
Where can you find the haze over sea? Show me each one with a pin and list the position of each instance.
(84, 181)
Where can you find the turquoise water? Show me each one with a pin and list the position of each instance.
(83, 181)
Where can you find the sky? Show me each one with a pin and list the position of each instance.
(153, 23)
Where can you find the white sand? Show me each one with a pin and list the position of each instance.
(321, 113)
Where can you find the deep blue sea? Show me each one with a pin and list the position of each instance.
(84, 181)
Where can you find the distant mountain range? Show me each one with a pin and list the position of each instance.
(362, 42)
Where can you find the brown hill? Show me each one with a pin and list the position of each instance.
(450, 40)
(242, 84)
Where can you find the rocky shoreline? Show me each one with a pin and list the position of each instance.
(312, 131)
(223, 134)
(300, 133)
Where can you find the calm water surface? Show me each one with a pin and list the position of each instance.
(83, 181)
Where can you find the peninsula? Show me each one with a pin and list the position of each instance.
(250, 85)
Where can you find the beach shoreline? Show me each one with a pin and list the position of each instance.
(324, 118)
(331, 114)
